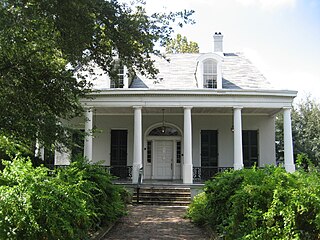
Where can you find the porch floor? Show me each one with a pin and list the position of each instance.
(157, 182)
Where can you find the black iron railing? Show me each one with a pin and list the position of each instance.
(121, 172)
(205, 173)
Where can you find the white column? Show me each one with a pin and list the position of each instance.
(88, 137)
(237, 142)
(39, 151)
(187, 164)
(137, 144)
(288, 148)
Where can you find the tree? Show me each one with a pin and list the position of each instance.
(181, 45)
(48, 46)
(305, 130)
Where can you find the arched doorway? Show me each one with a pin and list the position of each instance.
(163, 157)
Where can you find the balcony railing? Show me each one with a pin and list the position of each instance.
(205, 173)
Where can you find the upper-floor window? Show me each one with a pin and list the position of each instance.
(209, 71)
(209, 74)
(117, 80)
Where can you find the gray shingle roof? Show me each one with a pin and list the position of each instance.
(237, 73)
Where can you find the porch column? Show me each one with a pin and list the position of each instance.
(137, 144)
(187, 164)
(88, 137)
(288, 148)
(39, 151)
(237, 142)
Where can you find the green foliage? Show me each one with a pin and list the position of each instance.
(261, 204)
(198, 210)
(65, 204)
(49, 47)
(181, 45)
(305, 130)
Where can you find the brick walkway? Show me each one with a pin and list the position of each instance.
(155, 222)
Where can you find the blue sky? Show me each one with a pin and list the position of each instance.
(282, 37)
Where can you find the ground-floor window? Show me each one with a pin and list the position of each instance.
(78, 143)
(118, 159)
(209, 153)
(250, 148)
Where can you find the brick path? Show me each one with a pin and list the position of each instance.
(155, 222)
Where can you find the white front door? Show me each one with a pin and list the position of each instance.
(163, 159)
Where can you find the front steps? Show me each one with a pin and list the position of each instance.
(162, 195)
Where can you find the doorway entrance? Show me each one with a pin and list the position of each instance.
(163, 162)
(163, 153)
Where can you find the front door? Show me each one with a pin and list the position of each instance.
(163, 159)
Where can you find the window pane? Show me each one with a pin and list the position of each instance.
(178, 152)
(149, 151)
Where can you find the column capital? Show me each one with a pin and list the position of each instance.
(187, 107)
(237, 107)
(287, 108)
(137, 107)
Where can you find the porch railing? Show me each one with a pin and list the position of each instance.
(121, 172)
(205, 173)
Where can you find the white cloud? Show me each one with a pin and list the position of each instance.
(269, 4)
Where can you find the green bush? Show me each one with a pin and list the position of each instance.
(65, 204)
(261, 204)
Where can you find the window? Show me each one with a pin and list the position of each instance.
(209, 71)
(250, 147)
(179, 152)
(119, 147)
(149, 151)
(209, 148)
(209, 74)
(77, 143)
(117, 81)
(164, 131)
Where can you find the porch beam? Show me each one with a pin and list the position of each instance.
(288, 147)
(88, 134)
(187, 164)
(237, 143)
(137, 144)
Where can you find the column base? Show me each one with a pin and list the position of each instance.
(135, 173)
(187, 174)
(290, 167)
(238, 166)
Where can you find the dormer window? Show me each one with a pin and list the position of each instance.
(117, 81)
(208, 71)
(209, 74)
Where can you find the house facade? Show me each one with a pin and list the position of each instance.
(202, 114)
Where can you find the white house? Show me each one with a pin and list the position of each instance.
(203, 113)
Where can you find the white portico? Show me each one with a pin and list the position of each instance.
(175, 153)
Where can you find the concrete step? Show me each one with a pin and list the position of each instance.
(172, 196)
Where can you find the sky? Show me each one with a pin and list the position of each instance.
(281, 37)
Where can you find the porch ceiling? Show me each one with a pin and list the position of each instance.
(179, 110)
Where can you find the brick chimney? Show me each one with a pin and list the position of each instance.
(217, 39)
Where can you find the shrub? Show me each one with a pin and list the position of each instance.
(261, 204)
(63, 205)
